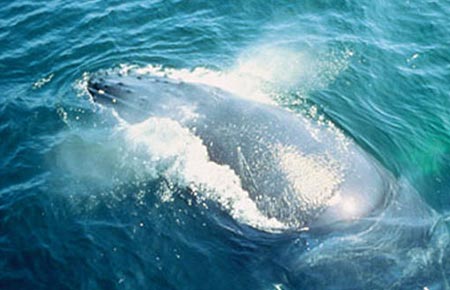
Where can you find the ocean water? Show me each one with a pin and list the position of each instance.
(82, 208)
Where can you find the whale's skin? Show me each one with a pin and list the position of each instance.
(265, 145)
(390, 239)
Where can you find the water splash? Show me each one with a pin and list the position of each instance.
(166, 149)
(262, 73)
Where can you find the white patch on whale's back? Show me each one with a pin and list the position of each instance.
(171, 151)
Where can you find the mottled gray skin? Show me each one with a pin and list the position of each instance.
(242, 134)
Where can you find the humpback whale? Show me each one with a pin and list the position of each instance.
(295, 171)
(354, 222)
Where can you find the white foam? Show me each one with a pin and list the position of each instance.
(260, 72)
(43, 81)
(167, 149)
(234, 80)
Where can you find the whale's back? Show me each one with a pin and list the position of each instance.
(301, 173)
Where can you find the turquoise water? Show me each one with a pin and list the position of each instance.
(77, 212)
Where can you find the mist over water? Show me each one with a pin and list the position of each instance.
(88, 201)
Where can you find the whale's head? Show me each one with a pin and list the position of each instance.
(133, 98)
(111, 91)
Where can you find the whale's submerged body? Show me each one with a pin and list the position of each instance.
(373, 231)
(296, 172)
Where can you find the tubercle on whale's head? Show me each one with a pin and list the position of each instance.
(107, 91)
(134, 91)
(135, 97)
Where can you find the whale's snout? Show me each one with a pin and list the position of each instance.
(105, 91)
(99, 90)
(123, 94)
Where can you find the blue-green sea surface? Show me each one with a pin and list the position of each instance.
(82, 208)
